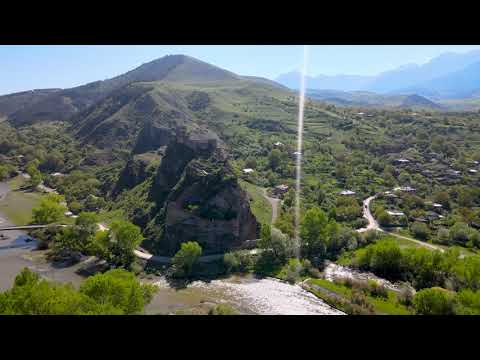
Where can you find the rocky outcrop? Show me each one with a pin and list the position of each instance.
(134, 173)
(202, 200)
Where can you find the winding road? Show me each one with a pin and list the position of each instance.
(373, 225)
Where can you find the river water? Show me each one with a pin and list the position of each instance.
(333, 271)
(249, 295)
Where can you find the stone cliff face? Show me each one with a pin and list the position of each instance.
(134, 173)
(200, 197)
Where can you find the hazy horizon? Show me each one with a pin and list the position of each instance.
(32, 67)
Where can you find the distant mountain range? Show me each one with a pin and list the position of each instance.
(374, 100)
(448, 76)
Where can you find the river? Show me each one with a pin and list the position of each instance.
(250, 295)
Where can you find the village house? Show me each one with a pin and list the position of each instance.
(390, 195)
(431, 216)
(278, 143)
(248, 171)
(347, 192)
(395, 213)
(404, 189)
(280, 189)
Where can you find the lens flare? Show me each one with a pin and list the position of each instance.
(298, 167)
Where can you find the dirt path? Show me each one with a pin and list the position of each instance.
(274, 203)
(422, 243)
(372, 223)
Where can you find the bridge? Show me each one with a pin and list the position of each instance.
(29, 227)
(141, 253)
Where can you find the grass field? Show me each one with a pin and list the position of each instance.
(382, 306)
(260, 206)
(17, 206)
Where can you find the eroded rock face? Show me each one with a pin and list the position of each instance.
(201, 198)
(134, 173)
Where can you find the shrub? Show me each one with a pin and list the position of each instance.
(231, 262)
(443, 236)
(377, 290)
(223, 309)
(186, 258)
(405, 296)
(434, 301)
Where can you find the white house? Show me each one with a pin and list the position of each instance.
(404, 189)
(347, 192)
(278, 143)
(248, 171)
(395, 213)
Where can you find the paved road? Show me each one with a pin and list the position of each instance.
(373, 225)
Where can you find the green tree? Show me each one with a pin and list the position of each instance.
(434, 301)
(79, 238)
(50, 210)
(279, 244)
(35, 175)
(274, 159)
(186, 258)
(231, 262)
(251, 163)
(384, 218)
(117, 244)
(265, 236)
(52, 162)
(120, 289)
(313, 233)
(116, 292)
(6, 171)
(443, 236)
(443, 198)
(460, 233)
(420, 230)
(384, 258)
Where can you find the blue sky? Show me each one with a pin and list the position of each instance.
(33, 67)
